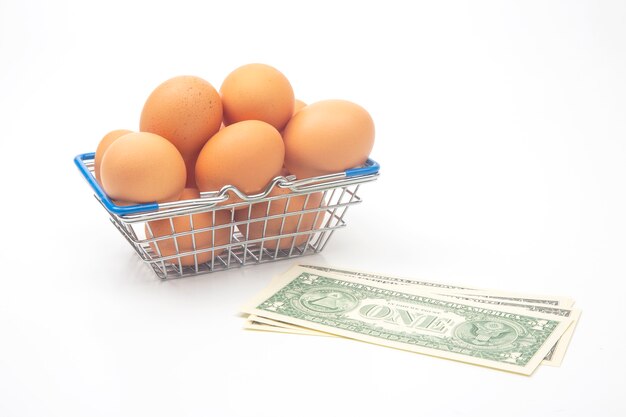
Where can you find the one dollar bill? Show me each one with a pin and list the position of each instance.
(510, 339)
(444, 288)
(556, 305)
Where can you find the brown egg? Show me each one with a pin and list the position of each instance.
(107, 140)
(187, 111)
(254, 229)
(187, 243)
(257, 92)
(327, 137)
(143, 167)
(246, 154)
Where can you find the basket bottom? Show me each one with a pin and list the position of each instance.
(236, 255)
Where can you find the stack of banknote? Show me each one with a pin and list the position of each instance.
(507, 331)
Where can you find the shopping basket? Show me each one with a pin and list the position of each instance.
(290, 218)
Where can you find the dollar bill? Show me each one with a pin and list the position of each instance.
(263, 323)
(253, 325)
(558, 301)
(553, 358)
(252, 318)
(557, 353)
(543, 304)
(505, 338)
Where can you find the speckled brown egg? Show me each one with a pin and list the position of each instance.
(327, 137)
(187, 111)
(143, 167)
(257, 92)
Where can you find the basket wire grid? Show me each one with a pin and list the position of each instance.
(209, 234)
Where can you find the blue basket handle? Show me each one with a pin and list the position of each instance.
(370, 167)
(108, 203)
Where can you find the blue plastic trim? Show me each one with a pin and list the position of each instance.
(108, 203)
(370, 167)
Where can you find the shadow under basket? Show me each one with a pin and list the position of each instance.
(227, 229)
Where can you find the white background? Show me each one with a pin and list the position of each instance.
(501, 132)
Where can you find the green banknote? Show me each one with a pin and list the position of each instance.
(543, 304)
(444, 288)
(504, 338)
(554, 357)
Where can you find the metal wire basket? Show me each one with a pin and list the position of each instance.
(290, 218)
